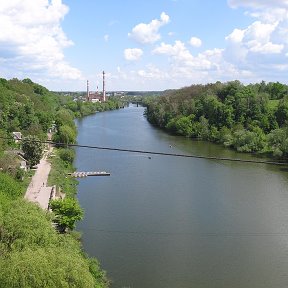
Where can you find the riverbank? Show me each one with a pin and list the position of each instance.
(247, 118)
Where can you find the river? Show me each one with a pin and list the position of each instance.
(168, 222)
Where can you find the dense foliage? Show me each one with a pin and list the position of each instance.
(67, 212)
(26, 106)
(32, 149)
(32, 109)
(62, 165)
(249, 118)
(32, 253)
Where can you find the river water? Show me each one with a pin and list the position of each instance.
(169, 222)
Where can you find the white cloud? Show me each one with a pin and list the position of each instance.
(259, 31)
(253, 53)
(258, 3)
(247, 47)
(261, 47)
(267, 48)
(133, 54)
(195, 42)
(31, 35)
(181, 56)
(148, 33)
(106, 38)
(269, 11)
(152, 72)
(236, 36)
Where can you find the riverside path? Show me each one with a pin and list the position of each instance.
(37, 190)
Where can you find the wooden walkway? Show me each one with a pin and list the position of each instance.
(85, 174)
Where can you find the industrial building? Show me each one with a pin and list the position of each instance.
(96, 96)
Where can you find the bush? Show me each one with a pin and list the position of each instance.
(67, 155)
(67, 212)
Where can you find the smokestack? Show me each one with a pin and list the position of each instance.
(104, 92)
(87, 90)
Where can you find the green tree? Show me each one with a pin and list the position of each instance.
(181, 126)
(9, 187)
(203, 128)
(64, 117)
(67, 155)
(33, 254)
(282, 111)
(46, 267)
(25, 225)
(225, 136)
(277, 90)
(65, 134)
(67, 212)
(32, 148)
(278, 142)
(249, 141)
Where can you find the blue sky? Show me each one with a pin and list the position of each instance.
(143, 45)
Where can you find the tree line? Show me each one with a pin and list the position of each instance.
(248, 118)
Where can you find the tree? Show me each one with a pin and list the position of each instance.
(277, 90)
(249, 141)
(65, 134)
(46, 267)
(278, 142)
(32, 148)
(26, 225)
(282, 111)
(181, 126)
(33, 254)
(67, 155)
(67, 212)
(64, 117)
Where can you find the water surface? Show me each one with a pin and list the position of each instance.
(170, 222)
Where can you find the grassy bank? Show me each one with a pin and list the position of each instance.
(59, 172)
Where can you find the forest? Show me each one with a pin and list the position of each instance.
(32, 252)
(248, 118)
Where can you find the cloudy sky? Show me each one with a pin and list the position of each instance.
(143, 44)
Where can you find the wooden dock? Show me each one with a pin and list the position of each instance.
(85, 174)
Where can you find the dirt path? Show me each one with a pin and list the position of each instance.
(37, 190)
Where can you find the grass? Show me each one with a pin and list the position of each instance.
(59, 175)
(27, 178)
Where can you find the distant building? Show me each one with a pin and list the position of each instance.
(119, 93)
(96, 96)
